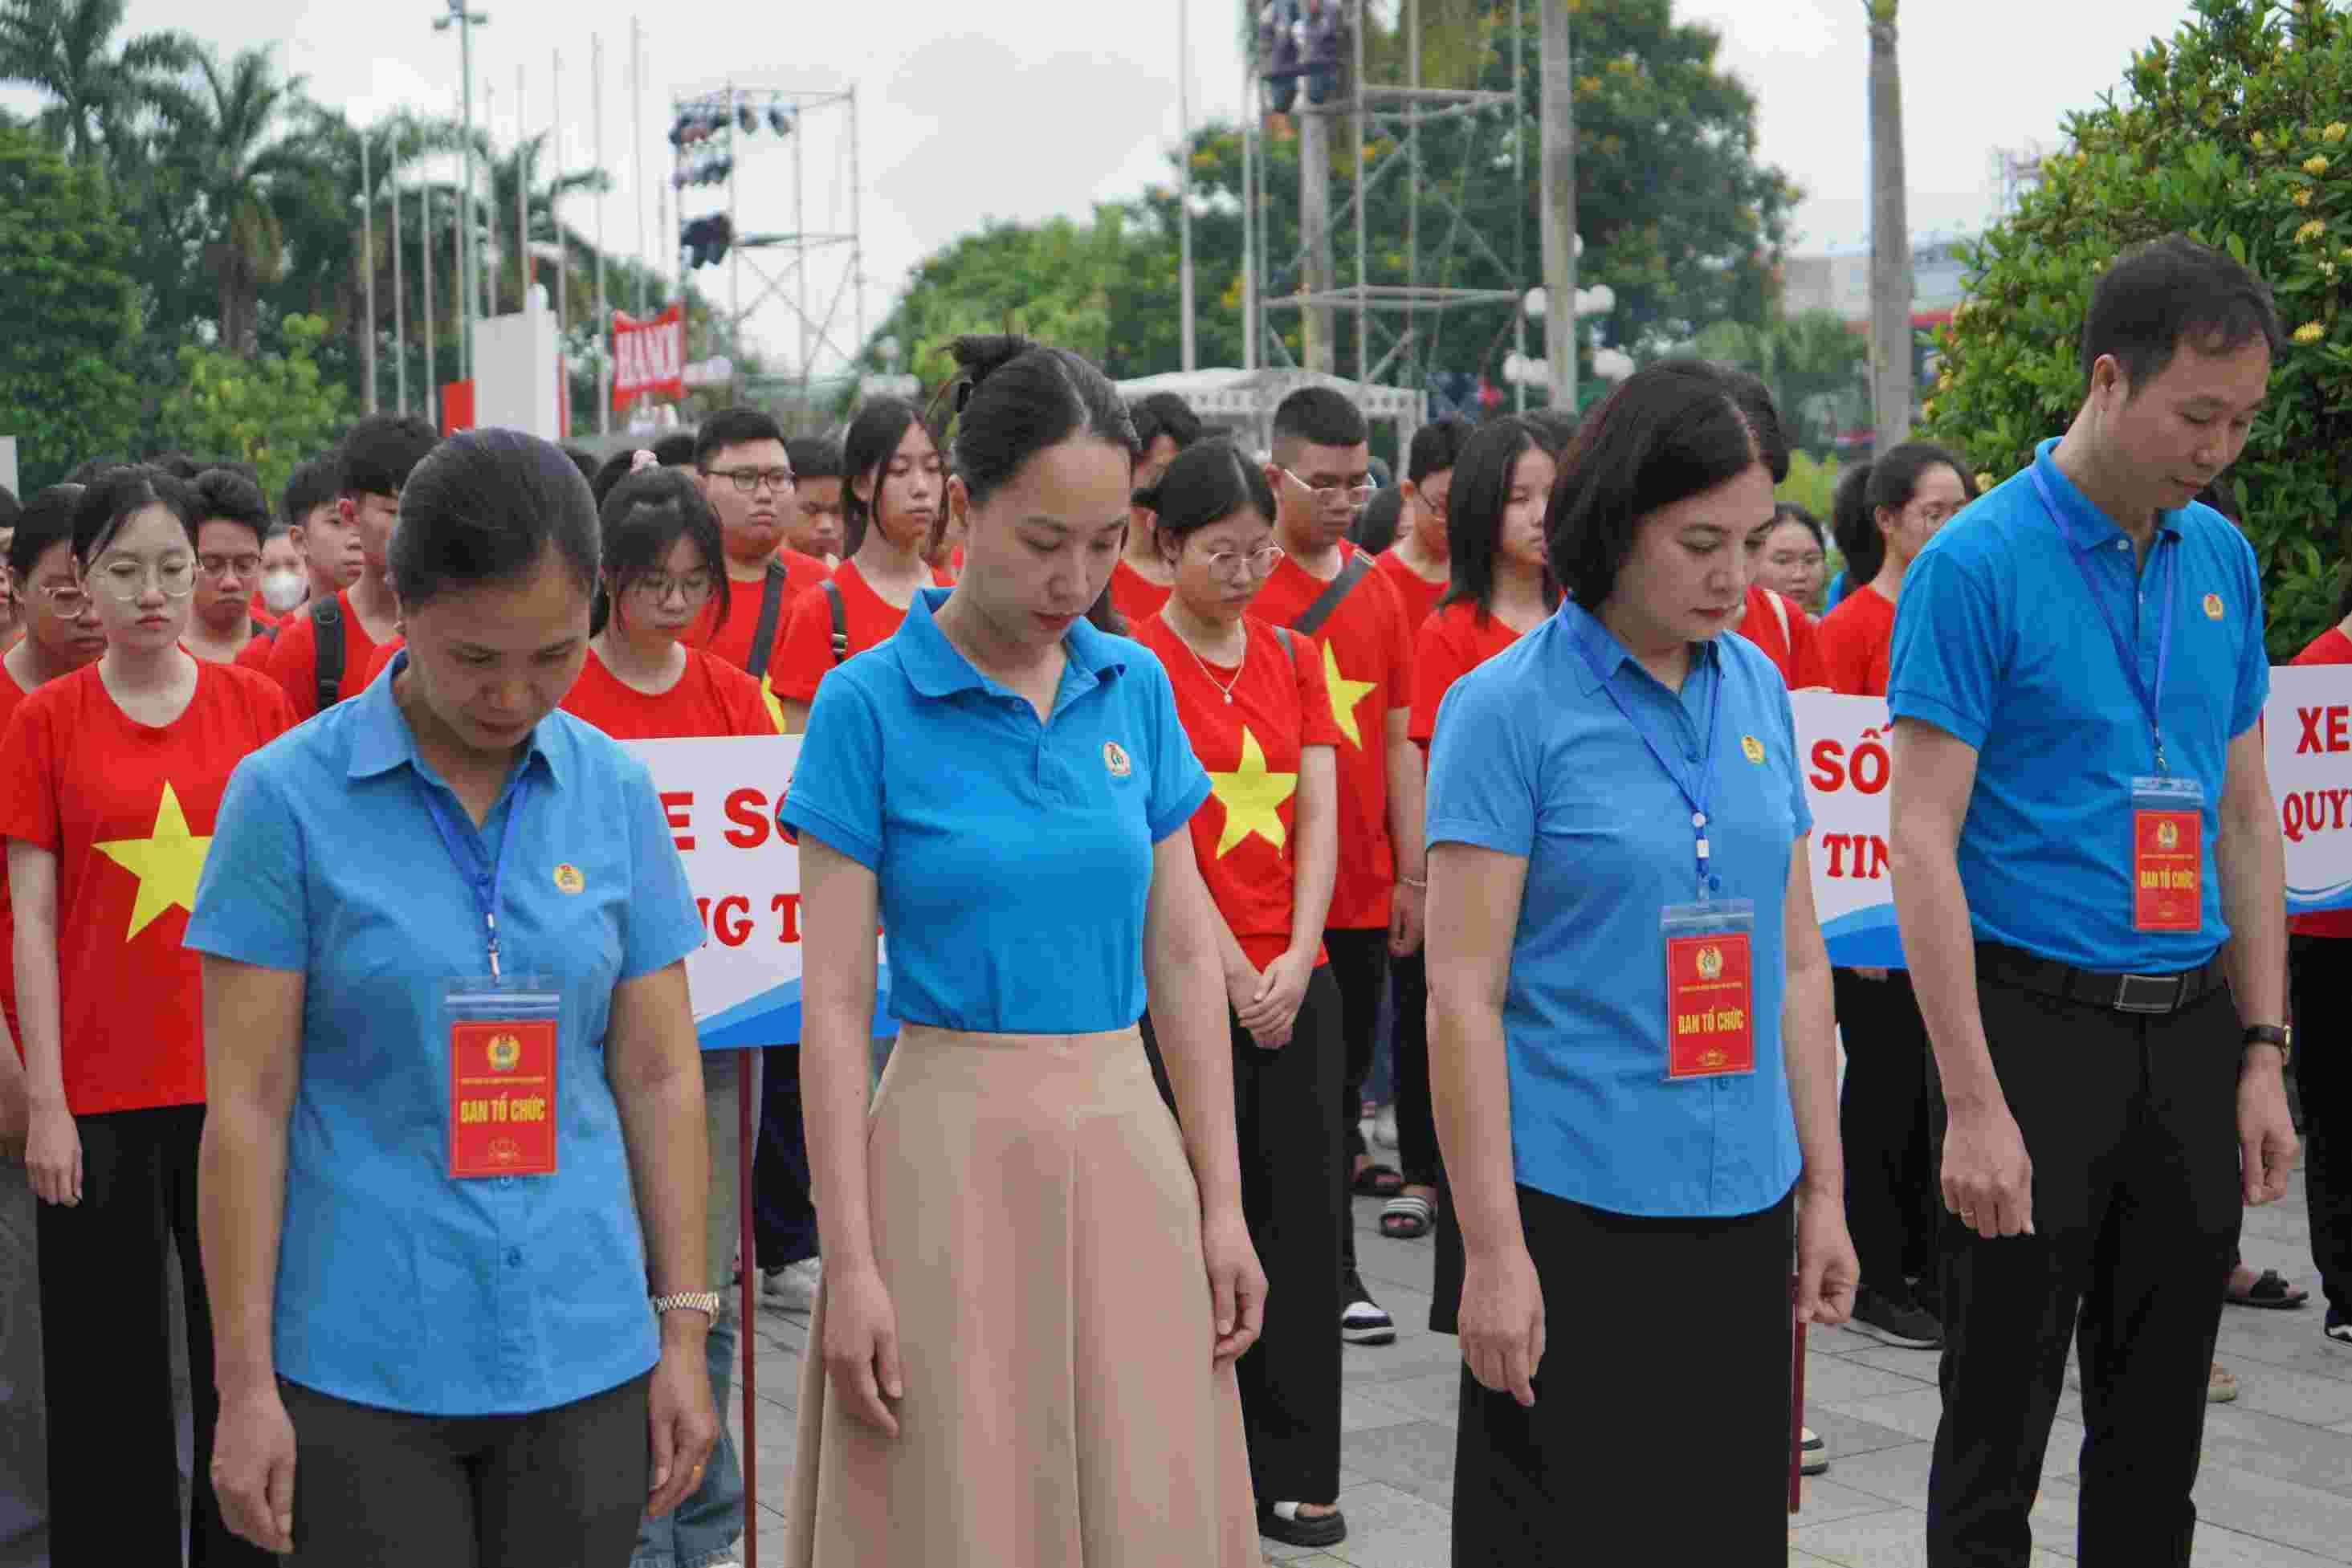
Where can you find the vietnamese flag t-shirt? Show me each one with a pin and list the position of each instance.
(1242, 835)
(1451, 644)
(804, 653)
(1368, 670)
(1854, 639)
(712, 697)
(1416, 593)
(128, 810)
(732, 640)
(291, 659)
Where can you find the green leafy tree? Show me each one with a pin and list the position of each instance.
(64, 392)
(272, 410)
(100, 93)
(1814, 363)
(238, 141)
(2235, 133)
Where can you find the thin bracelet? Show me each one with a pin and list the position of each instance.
(1419, 881)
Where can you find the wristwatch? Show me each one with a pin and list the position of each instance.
(2282, 1035)
(703, 1301)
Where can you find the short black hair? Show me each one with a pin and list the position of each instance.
(178, 465)
(1789, 512)
(1557, 428)
(583, 460)
(678, 451)
(728, 427)
(226, 496)
(1474, 508)
(1671, 430)
(121, 494)
(881, 424)
(311, 486)
(641, 520)
(89, 468)
(377, 453)
(46, 522)
(610, 473)
(1375, 528)
(1319, 416)
(1895, 478)
(9, 508)
(1855, 527)
(1207, 483)
(483, 508)
(1436, 447)
(2158, 296)
(815, 457)
(1165, 414)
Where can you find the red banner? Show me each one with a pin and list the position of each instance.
(648, 357)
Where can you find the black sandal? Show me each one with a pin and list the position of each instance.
(1407, 1218)
(1378, 1181)
(2270, 1292)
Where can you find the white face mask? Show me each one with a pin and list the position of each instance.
(283, 589)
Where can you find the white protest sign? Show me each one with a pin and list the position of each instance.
(720, 796)
(1842, 746)
(2307, 740)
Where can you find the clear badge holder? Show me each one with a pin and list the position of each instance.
(1710, 1025)
(503, 1045)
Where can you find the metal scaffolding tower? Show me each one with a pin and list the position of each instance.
(1395, 114)
(736, 133)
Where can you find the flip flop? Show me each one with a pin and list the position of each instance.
(1378, 1181)
(1407, 1218)
(2270, 1292)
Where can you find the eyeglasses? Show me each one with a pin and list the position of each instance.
(1235, 563)
(229, 565)
(123, 578)
(66, 601)
(1332, 494)
(749, 480)
(820, 510)
(656, 587)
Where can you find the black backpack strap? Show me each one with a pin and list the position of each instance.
(771, 610)
(840, 618)
(327, 656)
(1310, 621)
(1282, 635)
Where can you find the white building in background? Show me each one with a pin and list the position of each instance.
(1838, 281)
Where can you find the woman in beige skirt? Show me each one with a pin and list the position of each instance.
(1034, 1282)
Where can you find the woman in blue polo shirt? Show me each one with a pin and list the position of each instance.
(1034, 1284)
(1633, 1065)
(443, 930)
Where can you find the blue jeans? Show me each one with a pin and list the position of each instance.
(704, 1528)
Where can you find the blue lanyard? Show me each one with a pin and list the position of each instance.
(484, 883)
(2150, 702)
(1696, 783)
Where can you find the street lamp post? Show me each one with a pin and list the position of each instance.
(465, 21)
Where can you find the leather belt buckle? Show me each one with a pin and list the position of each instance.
(2146, 993)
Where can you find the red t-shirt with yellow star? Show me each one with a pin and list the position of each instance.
(712, 697)
(732, 642)
(1367, 668)
(128, 810)
(1416, 592)
(805, 652)
(1250, 745)
(1135, 596)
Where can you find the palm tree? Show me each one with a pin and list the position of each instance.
(522, 164)
(237, 135)
(102, 92)
(1890, 237)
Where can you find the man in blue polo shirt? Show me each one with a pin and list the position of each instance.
(2087, 871)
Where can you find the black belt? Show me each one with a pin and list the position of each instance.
(2156, 994)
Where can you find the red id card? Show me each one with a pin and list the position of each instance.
(2167, 869)
(1710, 1013)
(502, 1097)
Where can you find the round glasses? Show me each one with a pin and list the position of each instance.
(238, 566)
(656, 587)
(749, 480)
(123, 580)
(1350, 495)
(1230, 563)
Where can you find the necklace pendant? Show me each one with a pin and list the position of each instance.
(1229, 698)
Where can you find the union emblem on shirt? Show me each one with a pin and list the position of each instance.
(567, 878)
(2212, 606)
(1114, 759)
(1751, 749)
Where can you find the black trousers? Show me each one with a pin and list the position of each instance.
(382, 1489)
(1893, 1189)
(1714, 1308)
(1360, 969)
(783, 1216)
(1416, 1122)
(2323, 1068)
(114, 1467)
(1286, 1117)
(2131, 1123)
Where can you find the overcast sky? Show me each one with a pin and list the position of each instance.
(1027, 108)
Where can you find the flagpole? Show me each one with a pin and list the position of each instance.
(1185, 162)
(399, 289)
(603, 313)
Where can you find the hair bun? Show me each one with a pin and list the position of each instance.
(980, 357)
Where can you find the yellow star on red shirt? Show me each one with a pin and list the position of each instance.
(167, 863)
(1252, 798)
(1345, 694)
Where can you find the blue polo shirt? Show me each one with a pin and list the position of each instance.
(1998, 642)
(397, 1286)
(1013, 858)
(1533, 759)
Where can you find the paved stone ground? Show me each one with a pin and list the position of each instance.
(2276, 1490)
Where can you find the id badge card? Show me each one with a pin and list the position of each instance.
(1710, 990)
(502, 1036)
(2168, 863)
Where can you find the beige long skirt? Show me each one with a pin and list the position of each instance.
(1039, 1231)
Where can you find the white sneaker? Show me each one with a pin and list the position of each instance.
(793, 1288)
(1384, 1127)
